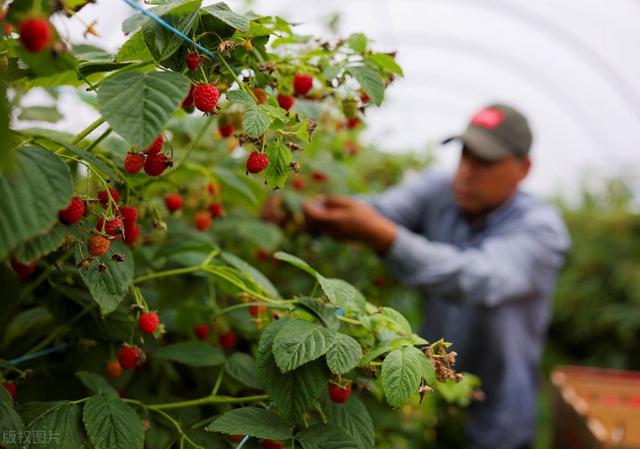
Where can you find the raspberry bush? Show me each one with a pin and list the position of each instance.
(129, 279)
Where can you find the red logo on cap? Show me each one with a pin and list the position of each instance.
(488, 118)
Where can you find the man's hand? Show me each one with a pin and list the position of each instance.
(345, 218)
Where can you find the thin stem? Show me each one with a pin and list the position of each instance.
(166, 273)
(250, 304)
(100, 138)
(241, 85)
(88, 130)
(194, 141)
(216, 387)
(350, 320)
(208, 400)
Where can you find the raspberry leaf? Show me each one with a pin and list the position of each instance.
(344, 355)
(162, 42)
(252, 421)
(138, 105)
(40, 245)
(402, 370)
(134, 49)
(300, 342)
(231, 180)
(253, 274)
(111, 423)
(256, 121)
(353, 417)
(192, 353)
(95, 383)
(223, 13)
(10, 421)
(240, 96)
(278, 168)
(370, 81)
(37, 178)
(59, 420)
(242, 367)
(324, 436)
(109, 286)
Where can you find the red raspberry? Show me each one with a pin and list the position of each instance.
(339, 394)
(129, 215)
(302, 83)
(269, 444)
(188, 101)
(35, 33)
(129, 356)
(133, 163)
(298, 183)
(11, 388)
(256, 162)
(73, 212)
(364, 98)
(262, 255)
(227, 340)
(193, 61)
(156, 145)
(156, 164)
(131, 234)
(260, 94)
(23, 270)
(113, 369)
(201, 331)
(225, 130)
(173, 201)
(112, 227)
(235, 438)
(285, 101)
(203, 221)
(8, 29)
(353, 122)
(319, 176)
(148, 322)
(205, 97)
(103, 197)
(215, 210)
(97, 245)
(257, 310)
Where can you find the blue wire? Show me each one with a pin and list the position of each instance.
(37, 355)
(169, 27)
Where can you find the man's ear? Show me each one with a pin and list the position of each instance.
(525, 167)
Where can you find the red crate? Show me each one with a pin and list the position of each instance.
(596, 408)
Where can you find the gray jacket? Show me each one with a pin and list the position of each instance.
(487, 289)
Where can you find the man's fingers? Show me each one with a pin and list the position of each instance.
(335, 201)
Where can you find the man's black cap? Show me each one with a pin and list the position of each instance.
(495, 132)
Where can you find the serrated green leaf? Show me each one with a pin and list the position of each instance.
(294, 392)
(192, 353)
(323, 436)
(342, 294)
(242, 367)
(386, 62)
(240, 96)
(279, 165)
(134, 22)
(111, 423)
(161, 42)
(325, 312)
(256, 121)
(222, 12)
(353, 417)
(109, 286)
(300, 342)
(401, 373)
(357, 42)
(10, 421)
(60, 423)
(252, 421)
(344, 355)
(395, 320)
(331, 71)
(370, 81)
(32, 172)
(134, 49)
(40, 245)
(95, 383)
(253, 273)
(138, 105)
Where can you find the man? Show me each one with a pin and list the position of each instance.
(484, 254)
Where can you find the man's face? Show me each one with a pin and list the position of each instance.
(482, 185)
